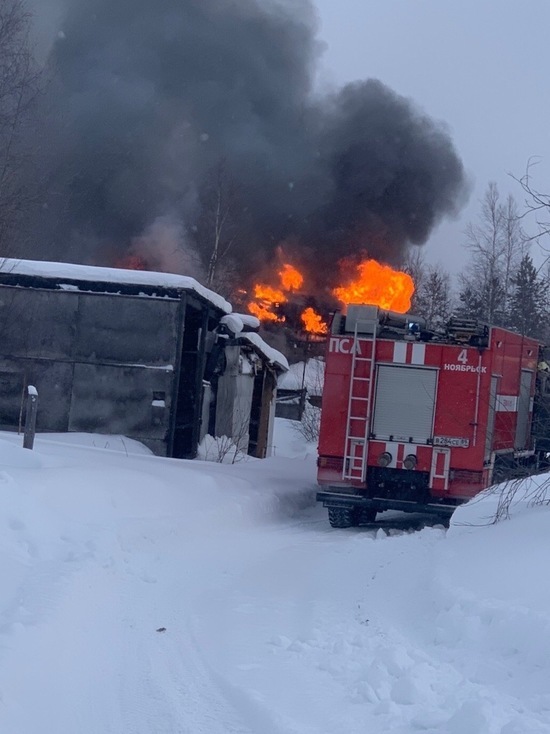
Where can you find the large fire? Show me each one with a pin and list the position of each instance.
(371, 283)
(378, 285)
(268, 299)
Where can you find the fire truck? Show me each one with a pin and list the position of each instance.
(422, 420)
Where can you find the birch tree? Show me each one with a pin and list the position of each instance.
(497, 244)
(218, 227)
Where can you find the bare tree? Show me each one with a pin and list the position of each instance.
(415, 266)
(221, 449)
(310, 422)
(537, 203)
(515, 243)
(497, 244)
(484, 242)
(225, 449)
(530, 491)
(19, 87)
(217, 229)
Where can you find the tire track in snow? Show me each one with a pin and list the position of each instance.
(165, 672)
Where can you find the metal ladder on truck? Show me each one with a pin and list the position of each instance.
(360, 399)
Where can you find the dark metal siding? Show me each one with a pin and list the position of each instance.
(52, 379)
(118, 399)
(36, 323)
(126, 330)
(100, 361)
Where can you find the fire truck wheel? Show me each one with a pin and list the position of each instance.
(340, 517)
(368, 515)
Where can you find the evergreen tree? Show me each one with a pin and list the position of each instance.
(529, 305)
(485, 302)
(471, 305)
(433, 297)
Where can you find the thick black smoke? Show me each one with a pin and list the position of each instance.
(157, 105)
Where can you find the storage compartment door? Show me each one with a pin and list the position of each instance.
(404, 403)
(491, 417)
(522, 428)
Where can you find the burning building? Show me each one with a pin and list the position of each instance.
(125, 352)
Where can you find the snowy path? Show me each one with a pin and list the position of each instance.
(155, 597)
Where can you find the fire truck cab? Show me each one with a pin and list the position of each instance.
(421, 420)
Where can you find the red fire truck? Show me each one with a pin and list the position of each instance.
(421, 420)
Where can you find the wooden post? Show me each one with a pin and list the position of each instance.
(30, 419)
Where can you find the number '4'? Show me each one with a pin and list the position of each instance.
(463, 356)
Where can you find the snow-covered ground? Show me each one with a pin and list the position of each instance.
(150, 596)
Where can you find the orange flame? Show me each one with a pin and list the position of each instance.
(269, 294)
(313, 322)
(262, 312)
(291, 278)
(267, 297)
(378, 285)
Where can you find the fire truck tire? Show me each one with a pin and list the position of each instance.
(340, 517)
(369, 515)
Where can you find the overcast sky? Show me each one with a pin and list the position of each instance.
(481, 66)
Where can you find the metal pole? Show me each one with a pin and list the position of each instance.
(30, 419)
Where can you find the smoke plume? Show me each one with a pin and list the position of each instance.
(160, 110)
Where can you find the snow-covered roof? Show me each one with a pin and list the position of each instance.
(249, 321)
(273, 356)
(233, 323)
(92, 273)
(236, 322)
